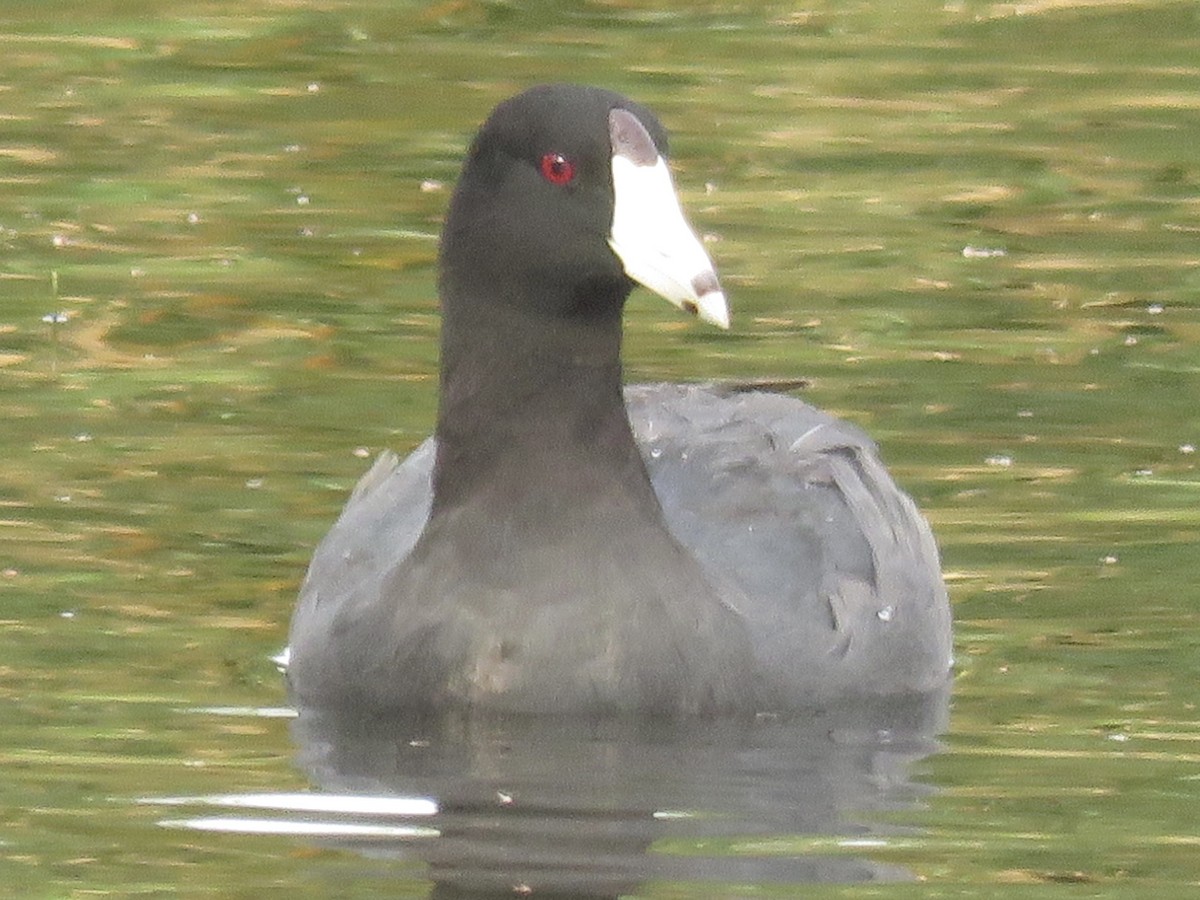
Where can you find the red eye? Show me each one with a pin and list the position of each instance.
(557, 169)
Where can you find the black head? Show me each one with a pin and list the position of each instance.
(531, 223)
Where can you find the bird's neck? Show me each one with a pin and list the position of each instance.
(532, 418)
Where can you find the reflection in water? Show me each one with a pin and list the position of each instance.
(328, 812)
(595, 808)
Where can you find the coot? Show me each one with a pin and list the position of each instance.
(562, 545)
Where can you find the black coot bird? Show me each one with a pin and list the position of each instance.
(562, 545)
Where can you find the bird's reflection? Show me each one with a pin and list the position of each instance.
(552, 807)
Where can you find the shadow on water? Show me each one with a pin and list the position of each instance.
(564, 807)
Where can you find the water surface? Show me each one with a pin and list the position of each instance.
(974, 227)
